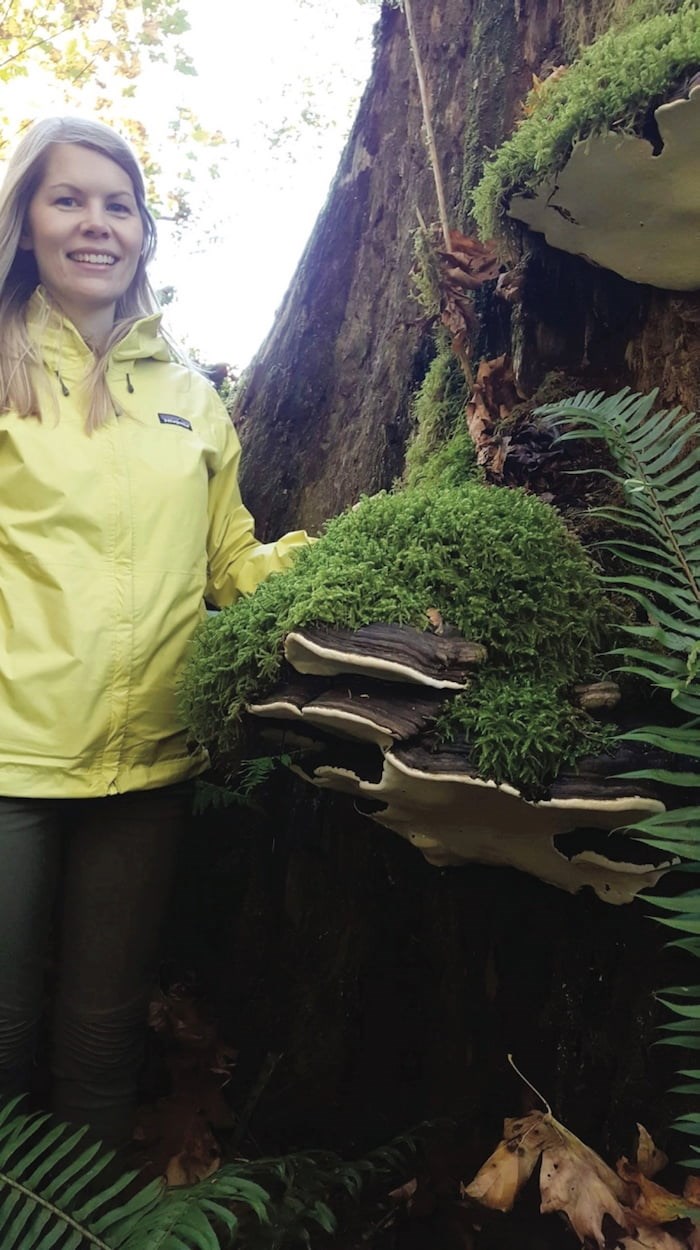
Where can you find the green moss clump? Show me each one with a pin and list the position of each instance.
(498, 564)
(440, 450)
(545, 731)
(611, 85)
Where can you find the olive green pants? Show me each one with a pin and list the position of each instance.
(95, 875)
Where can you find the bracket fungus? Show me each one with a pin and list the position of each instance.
(434, 797)
(620, 205)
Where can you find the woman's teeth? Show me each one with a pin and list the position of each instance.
(93, 258)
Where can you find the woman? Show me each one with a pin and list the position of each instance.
(120, 513)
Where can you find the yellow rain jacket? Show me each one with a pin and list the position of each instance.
(109, 543)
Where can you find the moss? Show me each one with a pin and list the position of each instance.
(425, 273)
(492, 37)
(522, 727)
(498, 564)
(440, 448)
(613, 84)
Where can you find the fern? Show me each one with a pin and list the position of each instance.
(252, 773)
(58, 1192)
(53, 1196)
(658, 468)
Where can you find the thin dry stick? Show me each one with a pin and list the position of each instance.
(457, 346)
(529, 1084)
(430, 134)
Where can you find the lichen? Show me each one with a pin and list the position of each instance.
(498, 564)
(613, 84)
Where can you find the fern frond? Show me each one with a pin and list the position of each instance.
(658, 468)
(657, 465)
(52, 1198)
(44, 1182)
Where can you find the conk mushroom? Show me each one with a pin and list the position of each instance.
(368, 735)
(620, 205)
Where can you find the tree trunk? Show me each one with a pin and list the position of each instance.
(393, 990)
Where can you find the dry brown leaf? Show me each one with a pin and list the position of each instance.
(176, 1130)
(493, 398)
(649, 1237)
(498, 1183)
(199, 1158)
(624, 1209)
(651, 1201)
(571, 1182)
(650, 1159)
(404, 1193)
(462, 270)
(691, 1190)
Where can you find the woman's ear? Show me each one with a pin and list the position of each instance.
(25, 240)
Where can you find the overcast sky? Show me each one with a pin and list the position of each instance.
(259, 67)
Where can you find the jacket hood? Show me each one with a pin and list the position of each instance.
(62, 344)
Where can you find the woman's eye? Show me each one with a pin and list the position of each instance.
(65, 201)
(118, 207)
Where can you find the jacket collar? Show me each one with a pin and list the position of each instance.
(62, 345)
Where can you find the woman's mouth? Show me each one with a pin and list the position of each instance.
(93, 258)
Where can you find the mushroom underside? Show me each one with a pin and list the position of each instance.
(620, 205)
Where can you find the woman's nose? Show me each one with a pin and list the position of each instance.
(95, 221)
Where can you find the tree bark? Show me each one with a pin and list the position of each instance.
(395, 990)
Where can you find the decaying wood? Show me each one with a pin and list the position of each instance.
(598, 696)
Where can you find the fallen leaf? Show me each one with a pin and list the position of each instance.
(404, 1193)
(650, 1159)
(498, 1183)
(570, 1182)
(199, 1158)
(691, 1190)
(652, 1201)
(493, 398)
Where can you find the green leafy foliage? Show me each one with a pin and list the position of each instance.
(58, 1192)
(499, 565)
(658, 467)
(308, 1189)
(252, 773)
(50, 1198)
(611, 85)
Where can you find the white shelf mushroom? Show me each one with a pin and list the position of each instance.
(369, 697)
(619, 205)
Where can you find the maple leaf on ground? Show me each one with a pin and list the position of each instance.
(571, 1181)
(650, 1159)
(652, 1201)
(498, 1183)
(605, 1208)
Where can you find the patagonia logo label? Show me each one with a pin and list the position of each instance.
(167, 418)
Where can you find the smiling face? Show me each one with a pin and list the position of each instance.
(85, 229)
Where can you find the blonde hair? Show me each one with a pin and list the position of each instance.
(19, 276)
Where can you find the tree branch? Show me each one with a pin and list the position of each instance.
(39, 42)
